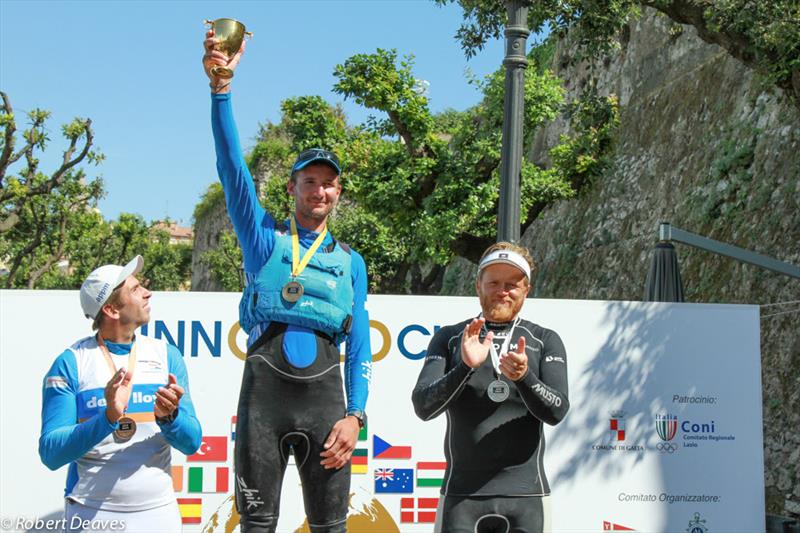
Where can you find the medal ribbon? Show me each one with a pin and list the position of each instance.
(110, 361)
(503, 348)
(299, 265)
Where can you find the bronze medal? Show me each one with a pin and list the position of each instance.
(126, 429)
(292, 291)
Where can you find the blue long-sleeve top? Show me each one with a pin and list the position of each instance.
(255, 229)
(63, 439)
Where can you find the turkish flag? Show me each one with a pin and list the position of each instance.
(211, 449)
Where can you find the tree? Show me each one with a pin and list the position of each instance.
(51, 233)
(764, 35)
(421, 188)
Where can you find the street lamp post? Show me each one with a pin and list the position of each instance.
(513, 106)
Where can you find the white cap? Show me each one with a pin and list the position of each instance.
(97, 288)
(508, 257)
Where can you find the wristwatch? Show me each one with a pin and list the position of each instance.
(167, 419)
(361, 416)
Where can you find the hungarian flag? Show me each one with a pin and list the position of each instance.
(359, 461)
(208, 479)
(418, 510)
(190, 509)
(611, 526)
(430, 474)
(211, 449)
(383, 450)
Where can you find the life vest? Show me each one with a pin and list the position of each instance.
(326, 304)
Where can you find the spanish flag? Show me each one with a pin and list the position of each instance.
(190, 510)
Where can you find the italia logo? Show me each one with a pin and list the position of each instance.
(666, 426)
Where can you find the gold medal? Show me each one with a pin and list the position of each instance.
(292, 291)
(126, 429)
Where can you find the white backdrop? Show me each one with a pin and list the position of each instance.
(627, 361)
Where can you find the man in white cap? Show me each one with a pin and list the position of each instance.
(497, 377)
(113, 404)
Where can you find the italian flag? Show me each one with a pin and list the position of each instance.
(430, 474)
(208, 479)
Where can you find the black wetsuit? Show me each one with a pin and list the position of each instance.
(268, 431)
(494, 450)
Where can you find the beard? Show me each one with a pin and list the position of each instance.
(318, 213)
(504, 311)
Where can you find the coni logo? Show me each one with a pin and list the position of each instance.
(667, 428)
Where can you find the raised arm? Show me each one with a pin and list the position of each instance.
(246, 213)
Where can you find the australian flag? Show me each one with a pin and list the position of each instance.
(396, 480)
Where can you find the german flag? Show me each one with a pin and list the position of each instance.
(359, 461)
(190, 510)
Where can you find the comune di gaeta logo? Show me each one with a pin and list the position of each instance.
(666, 427)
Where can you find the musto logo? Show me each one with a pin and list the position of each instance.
(666, 427)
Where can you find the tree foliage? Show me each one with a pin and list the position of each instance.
(51, 233)
(765, 35)
(420, 188)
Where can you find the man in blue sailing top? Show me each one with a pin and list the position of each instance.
(305, 294)
(113, 404)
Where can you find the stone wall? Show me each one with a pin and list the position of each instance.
(705, 145)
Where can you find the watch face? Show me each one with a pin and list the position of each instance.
(361, 416)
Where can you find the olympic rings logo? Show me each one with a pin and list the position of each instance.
(666, 447)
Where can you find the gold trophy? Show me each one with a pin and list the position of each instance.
(230, 33)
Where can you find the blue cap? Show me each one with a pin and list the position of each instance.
(316, 155)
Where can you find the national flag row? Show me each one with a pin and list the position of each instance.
(412, 510)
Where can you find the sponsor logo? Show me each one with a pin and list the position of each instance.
(101, 295)
(617, 426)
(366, 370)
(667, 428)
(331, 284)
(701, 432)
(697, 524)
(55, 382)
(616, 442)
(613, 526)
(546, 395)
(137, 397)
(553, 359)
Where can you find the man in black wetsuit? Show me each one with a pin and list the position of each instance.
(497, 378)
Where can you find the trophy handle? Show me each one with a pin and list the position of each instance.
(208, 22)
(249, 34)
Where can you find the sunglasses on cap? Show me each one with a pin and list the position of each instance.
(314, 155)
